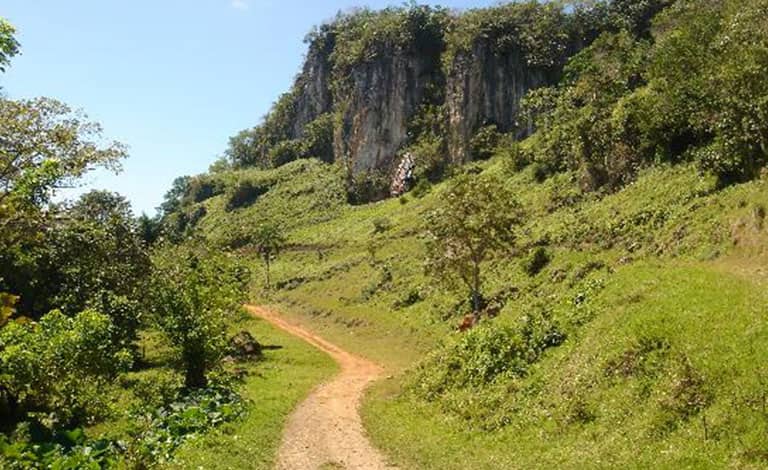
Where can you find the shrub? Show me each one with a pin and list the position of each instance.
(318, 139)
(484, 143)
(537, 260)
(157, 388)
(191, 293)
(125, 315)
(244, 194)
(381, 224)
(409, 298)
(422, 188)
(60, 365)
(202, 188)
(485, 355)
(367, 187)
(159, 431)
(68, 449)
(286, 152)
(514, 158)
(687, 394)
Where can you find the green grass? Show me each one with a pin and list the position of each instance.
(668, 259)
(716, 320)
(274, 387)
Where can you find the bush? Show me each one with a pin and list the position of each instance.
(125, 315)
(485, 355)
(286, 152)
(484, 143)
(159, 431)
(60, 366)
(202, 188)
(367, 187)
(381, 224)
(157, 388)
(192, 291)
(514, 158)
(537, 260)
(61, 450)
(422, 188)
(244, 194)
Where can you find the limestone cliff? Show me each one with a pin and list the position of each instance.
(312, 90)
(379, 99)
(369, 74)
(485, 88)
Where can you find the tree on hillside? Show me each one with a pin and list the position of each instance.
(477, 217)
(269, 240)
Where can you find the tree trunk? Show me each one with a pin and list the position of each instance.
(266, 260)
(194, 371)
(476, 301)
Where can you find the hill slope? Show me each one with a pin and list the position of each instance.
(626, 324)
(658, 291)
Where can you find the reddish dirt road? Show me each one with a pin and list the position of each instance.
(325, 431)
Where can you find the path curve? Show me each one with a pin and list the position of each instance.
(326, 429)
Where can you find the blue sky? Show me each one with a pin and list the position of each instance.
(172, 79)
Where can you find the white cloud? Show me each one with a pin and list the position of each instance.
(239, 4)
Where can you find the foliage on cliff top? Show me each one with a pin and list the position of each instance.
(365, 35)
(695, 91)
(537, 32)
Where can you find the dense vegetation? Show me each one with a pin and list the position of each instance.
(604, 302)
(621, 309)
(97, 327)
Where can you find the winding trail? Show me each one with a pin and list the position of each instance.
(325, 430)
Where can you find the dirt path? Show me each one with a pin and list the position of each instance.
(325, 431)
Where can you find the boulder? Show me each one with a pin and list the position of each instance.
(244, 346)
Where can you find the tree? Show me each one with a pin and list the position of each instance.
(173, 199)
(269, 240)
(9, 47)
(99, 261)
(477, 217)
(149, 228)
(191, 293)
(44, 146)
(90, 251)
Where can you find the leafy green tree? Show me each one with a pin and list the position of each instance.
(243, 149)
(9, 47)
(60, 366)
(692, 87)
(192, 292)
(269, 240)
(149, 228)
(44, 146)
(94, 248)
(173, 199)
(476, 218)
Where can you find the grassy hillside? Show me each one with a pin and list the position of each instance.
(626, 324)
(657, 291)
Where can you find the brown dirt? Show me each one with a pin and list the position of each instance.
(325, 431)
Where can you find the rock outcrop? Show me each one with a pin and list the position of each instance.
(485, 88)
(312, 90)
(380, 98)
(369, 74)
